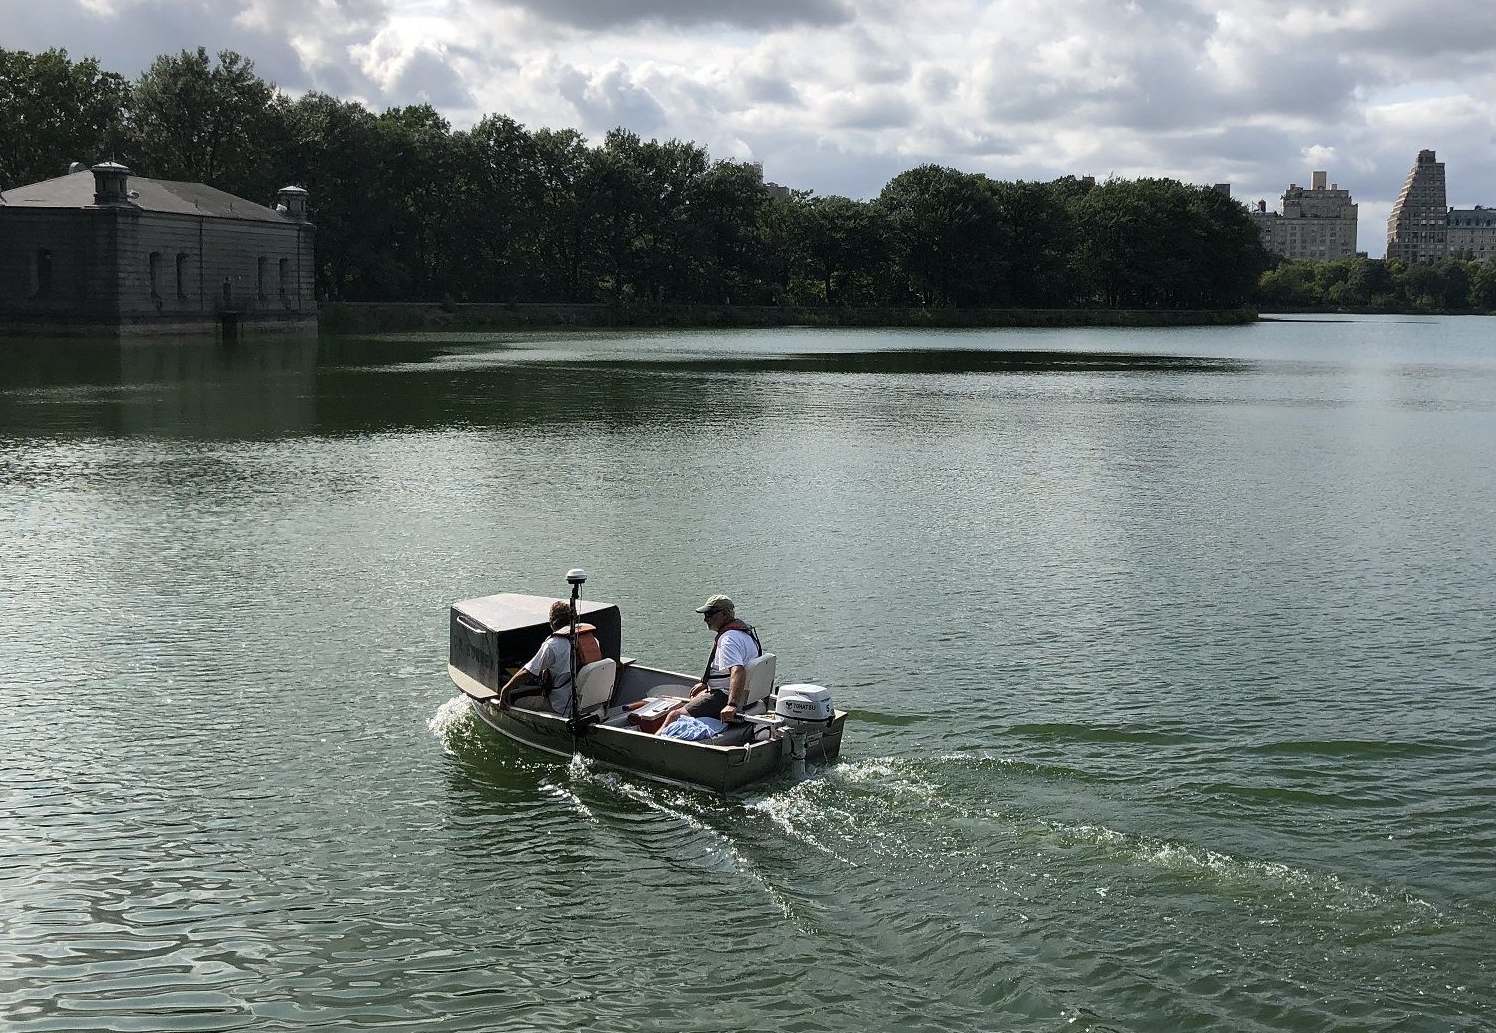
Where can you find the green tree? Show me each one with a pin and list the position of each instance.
(783, 235)
(1123, 234)
(496, 180)
(330, 147)
(1483, 286)
(844, 247)
(1454, 277)
(1042, 234)
(1422, 285)
(947, 234)
(561, 164)
(635, 198)
(1368, 284)
(1150, 243)
(1289, 287)
(427, 229)
(56, 111)
(724, 209)
(198, 121)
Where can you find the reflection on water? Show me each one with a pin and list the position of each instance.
(202, 388)
(952, 360)
(273, 386)
(1170, 688)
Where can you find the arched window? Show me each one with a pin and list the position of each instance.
(285, 276)
(182, 275)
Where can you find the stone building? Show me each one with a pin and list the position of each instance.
(1317, 224)
(1418, 228)
(1472, 233)
(103, 251)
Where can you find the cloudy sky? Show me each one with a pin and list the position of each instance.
(838, 95)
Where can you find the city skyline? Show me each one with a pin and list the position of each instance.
(838, 98)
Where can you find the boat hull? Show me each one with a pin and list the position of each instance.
(722, 769)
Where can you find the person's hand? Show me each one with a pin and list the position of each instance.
(728, 713)
(698, 689)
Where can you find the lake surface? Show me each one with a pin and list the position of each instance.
(1170, 656)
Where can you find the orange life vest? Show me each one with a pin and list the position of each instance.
(586, 646)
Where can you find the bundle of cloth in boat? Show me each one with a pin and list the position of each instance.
(693, 729)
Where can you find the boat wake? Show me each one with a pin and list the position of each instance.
(939, 814)
(452, 723)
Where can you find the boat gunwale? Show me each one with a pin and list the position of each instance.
(596, 726)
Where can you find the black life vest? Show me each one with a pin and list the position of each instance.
(722, 679)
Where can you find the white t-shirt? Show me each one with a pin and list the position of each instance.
(734, 649)
(554, 655)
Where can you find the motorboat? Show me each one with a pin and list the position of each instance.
(618, 700)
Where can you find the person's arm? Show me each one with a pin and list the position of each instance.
(532, 669)
(737, 691)
(509, 685)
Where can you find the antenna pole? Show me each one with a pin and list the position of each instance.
(574, 577)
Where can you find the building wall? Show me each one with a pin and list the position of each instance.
(80, 247)
(101, 268)
(1417, 228)
(1317, 225)
(1472, 233)
(215, 253)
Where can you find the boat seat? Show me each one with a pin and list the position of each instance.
(595, 685)
(760, 673)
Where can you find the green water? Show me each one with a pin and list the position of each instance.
(1170, 657)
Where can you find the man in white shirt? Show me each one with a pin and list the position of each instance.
(724, 685)
(553, 659)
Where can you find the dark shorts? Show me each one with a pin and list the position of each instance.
(535, 699)
(709, 704)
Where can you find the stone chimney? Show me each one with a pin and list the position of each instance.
(111, 183)
(292, 201)
(1319, 180)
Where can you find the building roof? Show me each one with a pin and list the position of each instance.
(155, 195)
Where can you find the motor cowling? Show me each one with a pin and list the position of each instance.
(808, 703)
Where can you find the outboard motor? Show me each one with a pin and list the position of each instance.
(806, 712)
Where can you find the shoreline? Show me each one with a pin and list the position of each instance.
(376, 317)
(1268, 314)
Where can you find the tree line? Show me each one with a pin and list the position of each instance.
(407, 208)
(1375, 285)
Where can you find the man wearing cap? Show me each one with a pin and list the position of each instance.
(725, 683)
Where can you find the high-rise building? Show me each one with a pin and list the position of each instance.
(1418, 228)
(1317, 224)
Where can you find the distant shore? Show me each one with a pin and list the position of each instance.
(377, 317)
(1331, 310)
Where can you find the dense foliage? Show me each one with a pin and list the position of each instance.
(408, 209)
(1374, 285)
